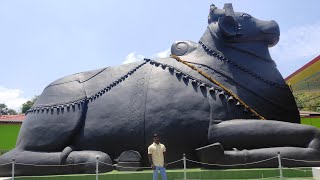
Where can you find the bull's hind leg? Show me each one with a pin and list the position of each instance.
(44, 139)
(44, 163)
(246, 141)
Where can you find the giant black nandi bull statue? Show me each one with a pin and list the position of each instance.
(221, 100)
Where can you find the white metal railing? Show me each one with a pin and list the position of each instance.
(184, 160)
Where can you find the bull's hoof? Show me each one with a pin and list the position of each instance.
(210, 153)
(129, 161)
(85, 162)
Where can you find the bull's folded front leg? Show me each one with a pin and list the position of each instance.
(246, 141)
(44, 163)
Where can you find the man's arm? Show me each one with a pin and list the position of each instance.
(165, 159)
(150, 157)
(164, 156)
(150, 160)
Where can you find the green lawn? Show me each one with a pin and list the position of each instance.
(311, 121)
(8, 136)
(194, 174)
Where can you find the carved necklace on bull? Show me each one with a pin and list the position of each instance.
(217, 83)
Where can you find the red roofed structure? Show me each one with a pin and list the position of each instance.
(307, 78)
(9, 129)
(12, 118)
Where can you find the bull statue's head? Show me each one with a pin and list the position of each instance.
(236, 29)
(241, 27)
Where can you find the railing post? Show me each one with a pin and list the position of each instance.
(97, 168)
(184, 167)
(280, 166)
(13, 163)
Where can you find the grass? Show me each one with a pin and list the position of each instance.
(195, 174)
(311, 121)
(8, 136)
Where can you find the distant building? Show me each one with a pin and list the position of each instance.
(305, 83)
(9, 130)
(307, 78)
(309, 114)
(12, 119)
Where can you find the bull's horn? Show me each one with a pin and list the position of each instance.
(228, 9)
(212, 7)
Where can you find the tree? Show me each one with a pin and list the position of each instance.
(3, 109)
(27, 105)
(12, 112)
(308, 101)
(2, 106)
(6, 111)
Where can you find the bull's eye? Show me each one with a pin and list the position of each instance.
(245, 15)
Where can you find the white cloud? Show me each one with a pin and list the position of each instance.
(298, 42)
(296, 47)
(133, 57)
(162, 54)
(12, 98)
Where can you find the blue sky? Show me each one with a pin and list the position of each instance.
(41, 41)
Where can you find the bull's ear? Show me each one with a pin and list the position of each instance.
(228, 25)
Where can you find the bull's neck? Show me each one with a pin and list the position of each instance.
(249, 50)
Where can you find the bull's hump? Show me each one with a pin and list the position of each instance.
(78, 87)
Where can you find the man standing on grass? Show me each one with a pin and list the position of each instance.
(157, 158)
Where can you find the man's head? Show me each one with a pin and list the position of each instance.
(156, 138)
